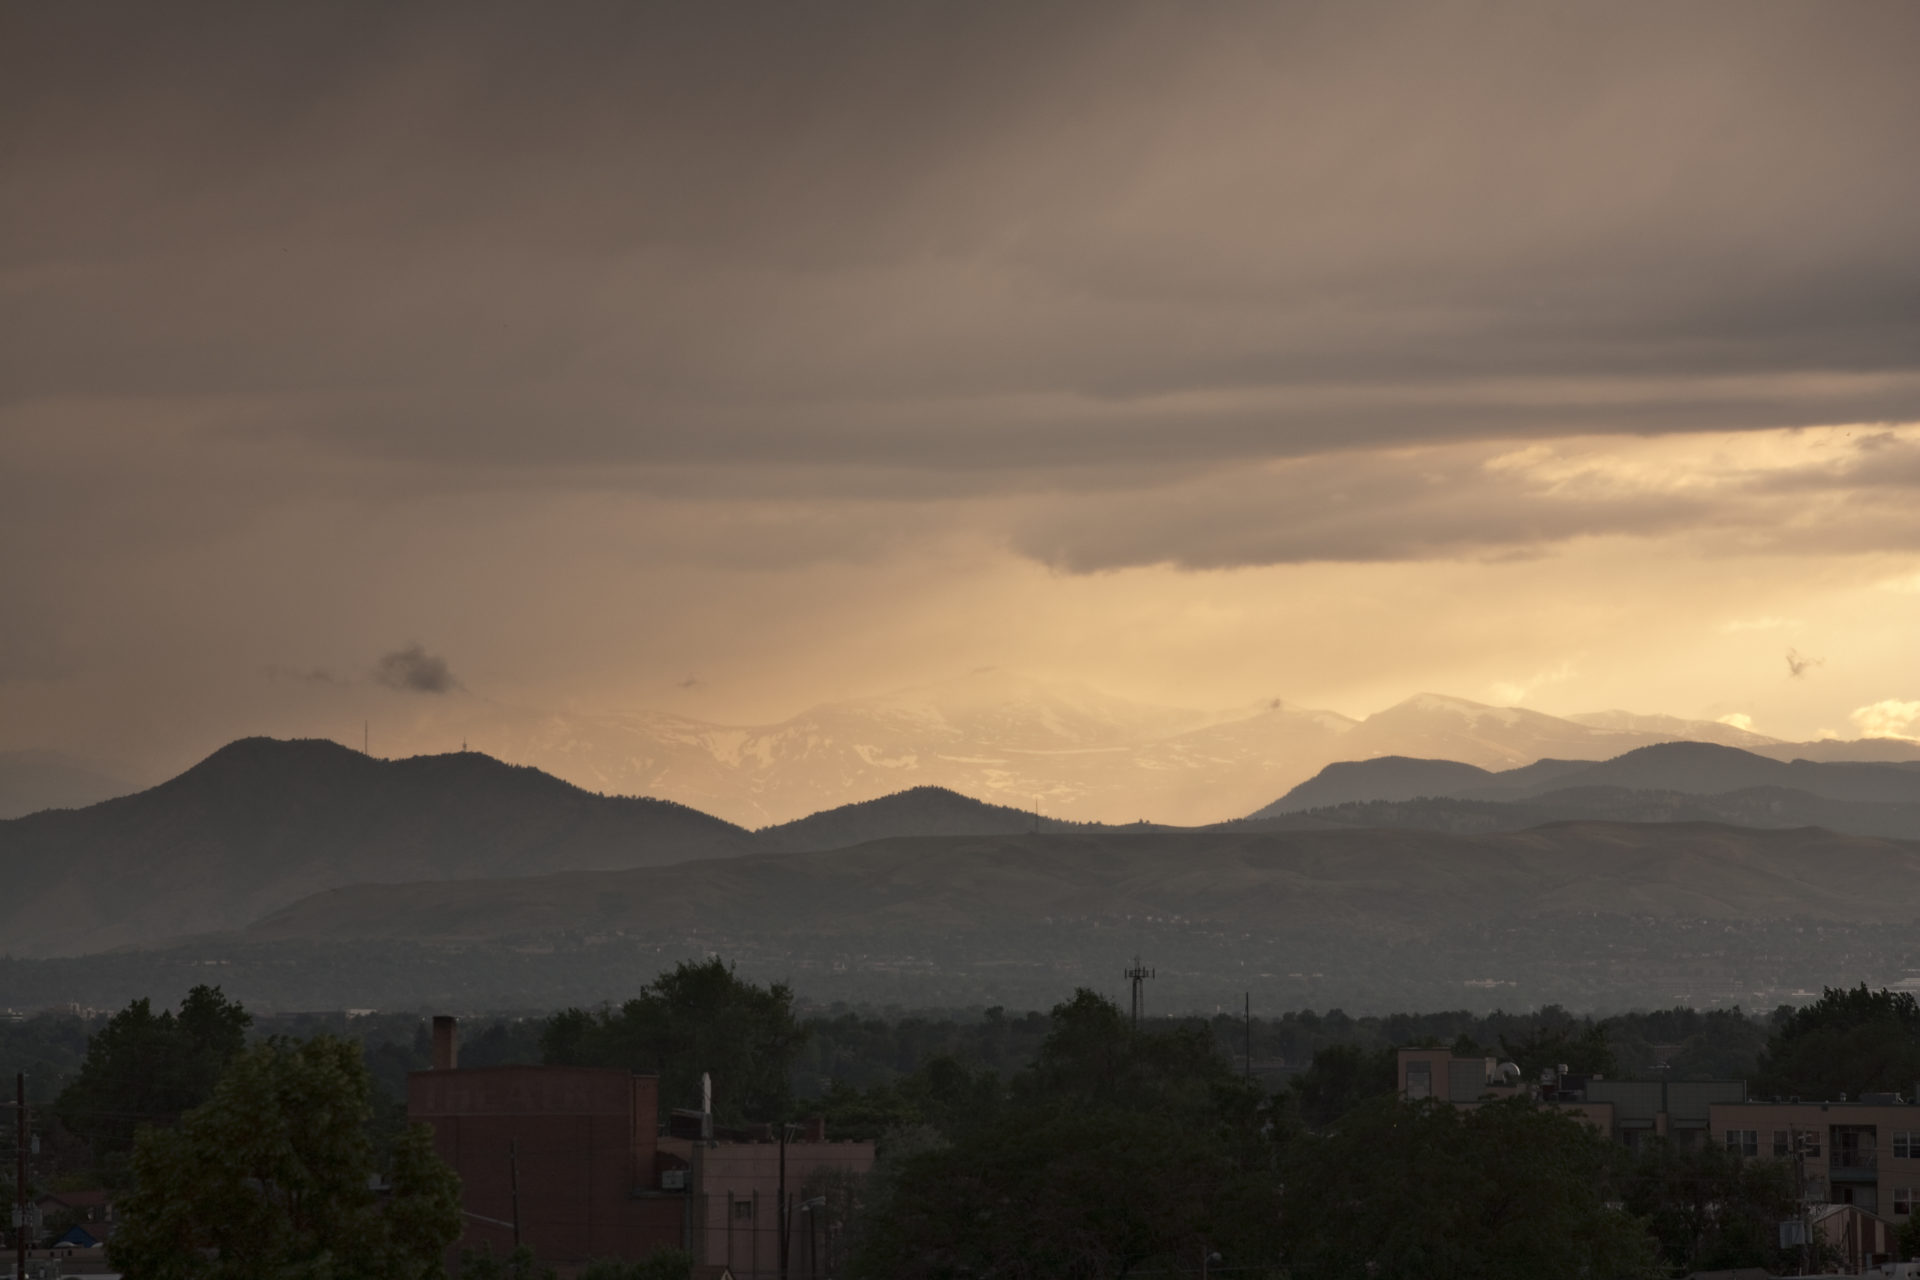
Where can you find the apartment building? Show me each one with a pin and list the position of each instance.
(1864, 1153)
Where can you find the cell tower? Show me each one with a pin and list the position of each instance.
(1137, 975)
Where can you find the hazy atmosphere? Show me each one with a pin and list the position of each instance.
(429, 370)
(905, 640)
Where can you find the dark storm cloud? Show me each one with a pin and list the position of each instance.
(1142, 285)
(414, 670)
(986, 237)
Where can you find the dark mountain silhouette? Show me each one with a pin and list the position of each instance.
(1703, 768)
(1758, 807)
(1687, 768)
(263, 822)
(919, 811)
(1382, 778)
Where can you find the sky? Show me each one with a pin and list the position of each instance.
(727, 360)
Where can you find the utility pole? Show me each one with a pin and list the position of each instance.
(20, 1191)
(1138, 975)
(1249, 1000)
(513, 1185)
(780, 1210)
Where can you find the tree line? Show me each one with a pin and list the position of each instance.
(1067, 1143)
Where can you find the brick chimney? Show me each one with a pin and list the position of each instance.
(446, 1042)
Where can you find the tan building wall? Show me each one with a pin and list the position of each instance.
(737, 1198)
(1868, 1153)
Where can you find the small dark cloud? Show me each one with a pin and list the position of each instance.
(1798, 663)
(414, 670)
(689, 682)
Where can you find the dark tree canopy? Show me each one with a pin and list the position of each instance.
(1583, 1051)
(1849, 1041)
(273, 1178)
(147, 1068)
(1116, 1152)
(1709, 1209)
(696, 1018)
(1342, 1077)
(1505, 1191)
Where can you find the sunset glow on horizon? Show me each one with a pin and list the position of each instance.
(662, 360)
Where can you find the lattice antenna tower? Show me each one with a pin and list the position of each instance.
(1137, 974)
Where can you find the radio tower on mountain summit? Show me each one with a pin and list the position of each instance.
(1137, 975)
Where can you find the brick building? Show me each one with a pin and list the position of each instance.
(570, 1154)
(575, 1156)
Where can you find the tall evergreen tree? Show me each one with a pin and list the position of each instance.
(147, 1068)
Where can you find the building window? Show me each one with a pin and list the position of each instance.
(1743, 1142)
(743, 1210)
(1419, 1080)
(1906, 1144)
(1782, 1142)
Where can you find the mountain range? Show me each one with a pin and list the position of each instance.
(1692, 768)
(1071, 752)
(262, 824)
(1668, 782)
(318, 875)
(1074, 754)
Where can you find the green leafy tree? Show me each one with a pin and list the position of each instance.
(1848, 1041)
(1909, 1242)
(272, 1178)
(1709, 1209)
(944, 1093)
(1505, 1191)
(1116, 1152)
(147, 1068)
(697, 1018)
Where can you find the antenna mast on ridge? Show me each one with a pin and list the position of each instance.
(1138, 975)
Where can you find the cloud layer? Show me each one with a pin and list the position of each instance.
(628, 341)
